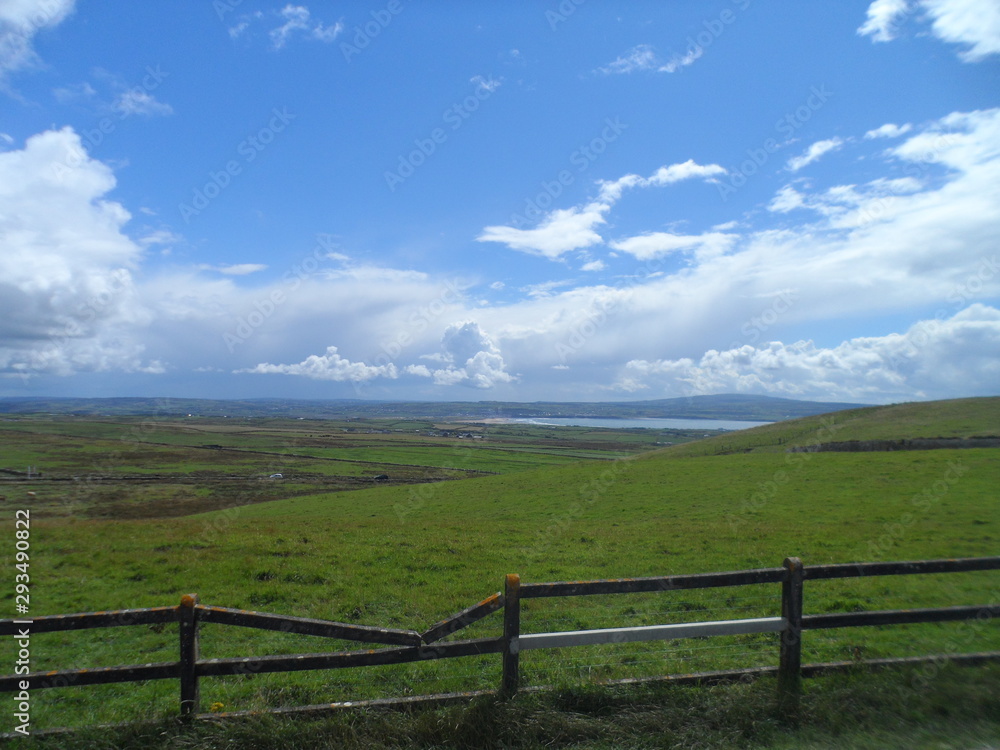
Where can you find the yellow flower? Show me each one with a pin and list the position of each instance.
(216, 707)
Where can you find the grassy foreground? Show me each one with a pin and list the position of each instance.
(398, 556)
(956, 710)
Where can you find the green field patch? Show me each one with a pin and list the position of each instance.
(407, 556)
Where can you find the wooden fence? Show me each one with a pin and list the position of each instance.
(410, 646)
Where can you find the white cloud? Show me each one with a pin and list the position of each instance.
(67, 296)
(640, 57)
(490, 84)
(920, 231)
(883, 17)
(297, 18)
(476, 360)
(370, 274)
(74, 92)
(814, 153)
(611, 191)
(971, 22)
(974, 23)
(677, 62)
(644, 57)
(326, 33)
(545, 288)
(786, 199)
(138, 102)
(655, 244)
(329, 366)
(20, 21)
(561, 231)
(889, 130)
(238, 269)
(235, 32)
(564, 230)
(594, 265)
(159, 237)
(958, 356)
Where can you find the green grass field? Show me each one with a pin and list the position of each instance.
(409, 555)
(134, 467)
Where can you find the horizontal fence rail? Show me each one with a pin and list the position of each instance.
(406, 646)
(649, 585)
(307, 626)
(110, 619)
(650, 633)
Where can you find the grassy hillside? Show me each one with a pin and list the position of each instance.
(408, 556)
(966, 417)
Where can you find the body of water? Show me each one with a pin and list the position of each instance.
(651, 423)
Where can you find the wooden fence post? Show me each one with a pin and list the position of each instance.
(511, 631)
(189, 655)
(790, 663)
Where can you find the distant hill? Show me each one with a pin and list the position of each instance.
(954, 418)
(725, 406)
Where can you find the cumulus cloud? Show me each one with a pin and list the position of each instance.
(20, 22)
(814, 153)
(67, 296)
(474, 358)
(921, 231)
(328, 366)
(957, 356)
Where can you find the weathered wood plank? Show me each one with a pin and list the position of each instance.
(510, 678)
(899, 616)
(307, 626)
(190, 696)
(790, 653)
(466, 617)
(962, 660)
(347, 659)
(101, 676)
(658, 583)
(83, 620)
(856, 570)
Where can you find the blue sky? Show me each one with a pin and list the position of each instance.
(456, 201)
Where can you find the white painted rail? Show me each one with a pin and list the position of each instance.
(647, 633)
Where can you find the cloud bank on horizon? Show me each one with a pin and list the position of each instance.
(633, 203)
